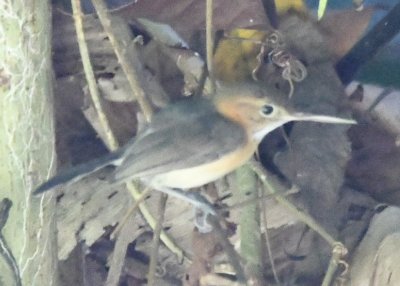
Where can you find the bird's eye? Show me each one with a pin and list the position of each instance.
(267, 110)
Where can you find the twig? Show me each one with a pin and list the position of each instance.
(369, 45)
(132, 78)
(337, 254)
(156, 241)
(117, 260)
(283, 201)
(338, 249)
(5, 251)
(130, 212)
(232, 255)
(256, 199)
(210, 42)
(249, 224)
(129, 66)
(169, 243)
(89, 73)
(265, 235)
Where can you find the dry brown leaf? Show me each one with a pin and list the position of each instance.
(84, 210)
(186, 16)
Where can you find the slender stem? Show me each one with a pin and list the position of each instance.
(130, 212)
(249, 223)
(266, 238)
(210, 42)
(283, 201)
(156, 241)
(338, 249)
(169, 243)
(89, 73)
(337, 254)
(132, 78)
(5, 251)
(129, 66)
(232, 255)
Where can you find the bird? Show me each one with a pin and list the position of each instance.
(194, 141)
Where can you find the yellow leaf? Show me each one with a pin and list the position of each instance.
(322, 8)
(282, 6)
(236, 54)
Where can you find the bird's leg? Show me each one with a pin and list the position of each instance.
(203, 208)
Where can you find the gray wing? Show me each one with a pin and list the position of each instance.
(194, 138)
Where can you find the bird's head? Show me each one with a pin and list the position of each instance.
(260, 114)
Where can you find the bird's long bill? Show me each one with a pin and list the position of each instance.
(321, 118)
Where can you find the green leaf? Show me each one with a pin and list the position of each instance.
(322, 8)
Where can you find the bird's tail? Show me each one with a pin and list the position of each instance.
(78, 172)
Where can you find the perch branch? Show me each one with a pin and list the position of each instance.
(121, 46)
(142, 101)
(210, 42)
(337, 253)
(283, 201)
(169, 243)
(338, 249)
(89, 73)
(265, 238)
(130, 213)
(156, 241)
(233, 256)
(249, 222)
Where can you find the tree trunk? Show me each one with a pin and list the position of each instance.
(28, 249)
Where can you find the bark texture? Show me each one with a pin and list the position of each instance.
(28, 245)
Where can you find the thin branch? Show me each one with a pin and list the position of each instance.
(130, 67)
(232, 255)
(89, 73)
(169, 243)
(337, 254)
(249, 223)
(288, 205)
(127, 234)
(265, 237)
(132, 78)
(210, 42)
(291, 191)
(156, 241)
(369, 45)
(338, 249)
(130, 213)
